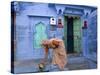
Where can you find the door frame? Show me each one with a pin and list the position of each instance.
(65, 31)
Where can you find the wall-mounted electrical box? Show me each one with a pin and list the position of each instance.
(52, 21)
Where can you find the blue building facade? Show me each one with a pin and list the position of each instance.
(33, 24)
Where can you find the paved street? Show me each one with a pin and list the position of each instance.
(74, 63)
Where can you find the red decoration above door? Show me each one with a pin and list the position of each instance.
(60, 23)
(85, 25)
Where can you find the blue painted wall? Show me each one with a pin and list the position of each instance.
(29, 14)
(92, 36)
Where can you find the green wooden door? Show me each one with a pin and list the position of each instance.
(39, 34)
(77, 34)
(65, 32)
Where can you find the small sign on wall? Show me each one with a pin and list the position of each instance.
(52, 21)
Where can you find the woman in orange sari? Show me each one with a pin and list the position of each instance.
(59, 53)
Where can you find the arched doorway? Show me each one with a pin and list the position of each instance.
(39, 35)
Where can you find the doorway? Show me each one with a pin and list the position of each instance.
(70, 40)
(72, 34)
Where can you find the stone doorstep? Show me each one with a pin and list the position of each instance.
(78, 66)
(73, 55)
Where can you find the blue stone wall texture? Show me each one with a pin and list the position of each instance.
(92, 33)
(32, 13)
